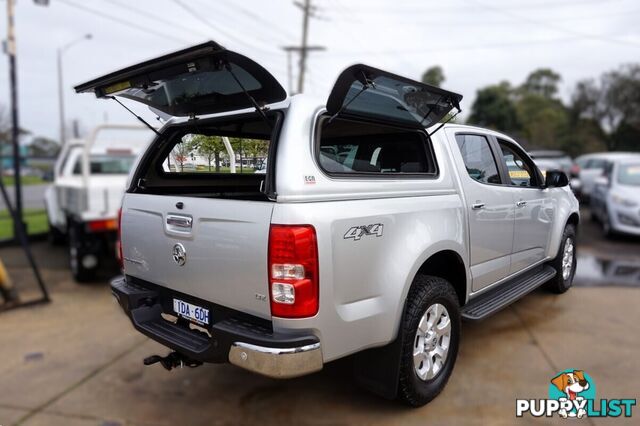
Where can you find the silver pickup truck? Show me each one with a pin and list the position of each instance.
(374, 231)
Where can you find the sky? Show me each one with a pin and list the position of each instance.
(477, 42)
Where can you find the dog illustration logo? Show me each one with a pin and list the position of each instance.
(572, 395)
(573, 386)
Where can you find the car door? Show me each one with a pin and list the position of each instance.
(490, 207)
(534, 207)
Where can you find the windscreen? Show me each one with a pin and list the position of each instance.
(111, 164)
(629, 174)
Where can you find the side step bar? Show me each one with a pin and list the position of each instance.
(503, 295)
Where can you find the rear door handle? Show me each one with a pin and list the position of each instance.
(477, 206)
(179, 221)
(521, 203)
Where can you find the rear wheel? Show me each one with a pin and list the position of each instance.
(565, 262)
(84, 264)
(431, 335)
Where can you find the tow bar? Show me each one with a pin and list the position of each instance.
(173, 360)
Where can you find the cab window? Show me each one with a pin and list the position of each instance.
(520, 169)
(478, 158)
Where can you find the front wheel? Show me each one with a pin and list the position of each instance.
(430, 334)
(565, 262)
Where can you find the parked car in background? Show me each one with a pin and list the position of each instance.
(615, 199)
(561, 158)
(588, 168)
(83, 201)
(368, 234)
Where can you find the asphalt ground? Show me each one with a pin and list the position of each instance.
(78, 361)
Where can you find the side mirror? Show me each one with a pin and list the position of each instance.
(556, 179)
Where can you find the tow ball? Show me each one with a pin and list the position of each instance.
(173, 360)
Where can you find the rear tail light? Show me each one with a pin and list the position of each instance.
(119, 241)
(102, 225)
(293, 271)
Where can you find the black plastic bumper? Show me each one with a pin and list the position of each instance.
(145, 302)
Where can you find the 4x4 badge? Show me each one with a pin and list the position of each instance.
(357, 232)
(179, 254)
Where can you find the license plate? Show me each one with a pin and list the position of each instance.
(192, 312)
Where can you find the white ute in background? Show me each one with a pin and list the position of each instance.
(89, 182)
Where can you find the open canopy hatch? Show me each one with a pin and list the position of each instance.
(208, 78)
(365, 92)
(202, 79)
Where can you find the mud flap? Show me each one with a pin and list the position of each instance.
(378, 369)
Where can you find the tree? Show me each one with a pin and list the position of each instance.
(542, 82)
(256, 148)
(180, 153)
(494, 108)
(433, 76)
(210, 148)
(251, 148)
(43, 147)
(612, 104)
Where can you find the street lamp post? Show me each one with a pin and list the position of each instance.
(61, 50)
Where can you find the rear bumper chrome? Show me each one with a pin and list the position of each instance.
(247, 343)
(279, 363)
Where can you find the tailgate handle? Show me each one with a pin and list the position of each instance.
(179, 221)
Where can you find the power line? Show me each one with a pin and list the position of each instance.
(257, 18)
(455, 9)
(552, 26)
(158, 18)
(123, 21)
(447, 48)
(484, 22)
(219, 29)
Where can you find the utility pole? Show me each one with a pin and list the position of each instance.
(308, 12)
(61, 50)
(18, 224)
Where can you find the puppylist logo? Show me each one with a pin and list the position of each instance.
(572, 394)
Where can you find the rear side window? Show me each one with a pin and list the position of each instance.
(355, 148)
(478, 158)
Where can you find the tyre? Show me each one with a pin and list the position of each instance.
(83, 264)
(430, 337)
(565, 262)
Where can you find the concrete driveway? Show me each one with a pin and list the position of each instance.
(77, 361)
